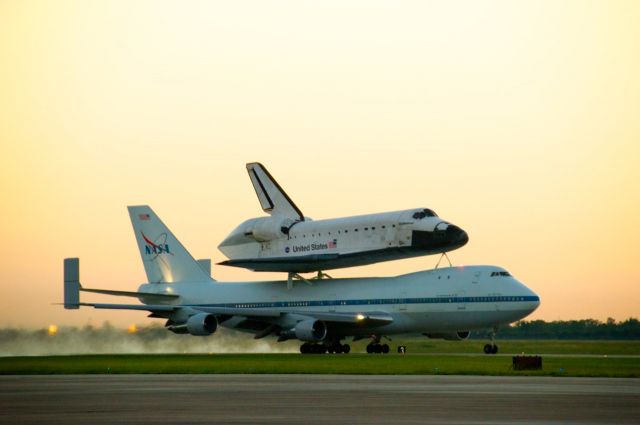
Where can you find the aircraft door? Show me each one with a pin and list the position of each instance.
(462, 300)
(333, 298)
(401, 302)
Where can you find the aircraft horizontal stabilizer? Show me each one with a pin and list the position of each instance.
(129, 293)
(143, 307)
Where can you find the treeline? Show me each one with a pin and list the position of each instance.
(573, 329)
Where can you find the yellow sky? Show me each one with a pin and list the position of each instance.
(518, 121)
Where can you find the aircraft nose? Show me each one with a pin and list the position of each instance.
(457, 235)
(536, 300)
(532, 300)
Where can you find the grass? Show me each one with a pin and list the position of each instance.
(424, 357)
(316, 364)
(474, 346)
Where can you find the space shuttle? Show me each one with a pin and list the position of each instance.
(287, 241)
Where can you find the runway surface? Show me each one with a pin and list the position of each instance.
(316, 399)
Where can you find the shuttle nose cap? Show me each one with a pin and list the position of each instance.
(457, 235)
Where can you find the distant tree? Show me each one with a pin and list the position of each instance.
(573, 329)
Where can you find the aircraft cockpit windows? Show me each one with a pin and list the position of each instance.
(506, 274)
(419, 215)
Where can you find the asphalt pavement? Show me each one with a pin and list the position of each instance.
(316, 399)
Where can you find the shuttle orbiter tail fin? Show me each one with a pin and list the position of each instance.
(165, 259)
(273, 199)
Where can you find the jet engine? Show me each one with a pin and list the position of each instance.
(201, 324)
(452, 336)
(270, 228)
(310, 330)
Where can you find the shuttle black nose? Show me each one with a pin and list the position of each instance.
(456, 235)
(437, 241)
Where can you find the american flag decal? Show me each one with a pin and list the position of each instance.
(144, 216)
(333, 243)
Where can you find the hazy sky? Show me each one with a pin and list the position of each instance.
(518, 121)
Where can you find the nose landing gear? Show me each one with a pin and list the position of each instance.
(492, 348)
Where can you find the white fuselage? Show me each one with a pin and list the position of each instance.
(439, 300)
(278, 244)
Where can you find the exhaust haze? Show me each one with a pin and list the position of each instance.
(153, 339)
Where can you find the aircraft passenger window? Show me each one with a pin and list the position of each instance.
(356, 230)
(373, 228)
(366, 228)
(384, 227)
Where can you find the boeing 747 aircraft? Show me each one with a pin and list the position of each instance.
(287, 241)
(440, 303)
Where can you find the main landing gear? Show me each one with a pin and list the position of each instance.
(374, 347)
(335, 347)
(491, 348)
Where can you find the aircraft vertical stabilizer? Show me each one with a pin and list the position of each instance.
(273, 199)
(165, 259)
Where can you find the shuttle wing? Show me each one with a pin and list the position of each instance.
(273, 199)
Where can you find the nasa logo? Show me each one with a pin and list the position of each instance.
(157, 247)
(286, 250)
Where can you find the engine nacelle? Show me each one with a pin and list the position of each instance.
(201, 324)
(451, 336)
(270, 228)
(310, 330)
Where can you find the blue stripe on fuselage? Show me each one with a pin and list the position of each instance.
(377, 301)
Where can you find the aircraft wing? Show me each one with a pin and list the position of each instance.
(368, 318)
(273, 199)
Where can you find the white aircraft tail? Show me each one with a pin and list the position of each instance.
(165, 259)
(273, 199)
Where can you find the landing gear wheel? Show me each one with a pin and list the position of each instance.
(335, 347)
(377, 348)
(305, 348)
(490, 349)
(346, 348)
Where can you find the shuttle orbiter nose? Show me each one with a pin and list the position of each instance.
(456, 236)
(441, 239)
